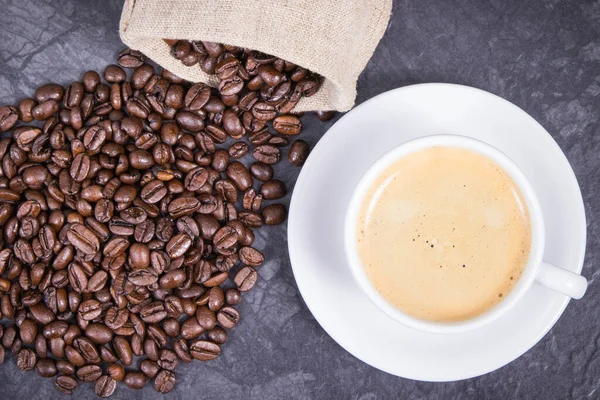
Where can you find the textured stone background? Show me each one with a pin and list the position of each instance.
(542, 55)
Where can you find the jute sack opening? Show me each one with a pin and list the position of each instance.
(334, 38)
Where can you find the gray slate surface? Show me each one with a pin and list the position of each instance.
(542, 55)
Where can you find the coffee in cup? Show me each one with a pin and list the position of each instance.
(443, 234)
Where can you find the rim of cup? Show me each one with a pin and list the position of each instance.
(528, 194)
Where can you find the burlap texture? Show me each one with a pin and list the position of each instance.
(334, 38)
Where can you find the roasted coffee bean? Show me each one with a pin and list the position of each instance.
(128, 58)
(55, 329)
(151, 349)
(164, 381)
(134, 215)
(135, 380)
(197, 96)
(195, 179)
(190, 329)
(232, 296)
(238, 150)
(267, 154)
(173, 279)
(105, 386)
(65, 367)
(206, 318)
(279, 141)
(8, 117)
(287, 124)
(262, 172)
(153, 191)
(159, 260)
(204, 350)
(189, 121)
(149, 368)
(77, 277)
(216, 298)
(183, 206)
(114, 74)
(224, 263)
(123, 350)
(66, 384)
(167, 359)
(87, 350)
(171, 327)
(273, 189)
(217, 335)
(246, 278)
(298, 152)
(225, 240)
(250, 256)
(260, 134)
(216, 279)
(153, 313)
(137, 344)
(16, 347)
(178, 245)
(182, 350)
(263, 111)
(239, 175)
(250, 219)
(90, 309)
(107, 355)
(89, 373)
(274, 214)
(139, 256)
(83, 239)
(143, 277)
(72, 354)
(28, 331)
(97, 281)
(226, 190)
(41, 313)
(26, 359)
(41, 346)
(99, 333)
(228, 317)
(46, 367)
(116, 372)
(45, 110)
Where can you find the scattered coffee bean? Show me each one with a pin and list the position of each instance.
(273, 189)
(204, 350)
(298, 153)
(105, 386)
(274, 214)
(26, 359)
(135, 380)
(325, 115)
(164, 381)
(246, 279)
(66, 384)
(120, 214)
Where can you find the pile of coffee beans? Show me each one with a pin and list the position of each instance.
(253, 83)
(127, 213)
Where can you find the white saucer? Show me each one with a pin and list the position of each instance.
(322, 194)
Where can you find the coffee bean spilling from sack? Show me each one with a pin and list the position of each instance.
(256, 85)
(128, 217)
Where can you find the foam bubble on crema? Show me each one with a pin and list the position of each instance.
(444, 234)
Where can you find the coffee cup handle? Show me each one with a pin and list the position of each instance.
(561, 280)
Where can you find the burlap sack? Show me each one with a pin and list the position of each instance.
(334, 38)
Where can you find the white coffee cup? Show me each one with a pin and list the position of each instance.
(536, 270)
